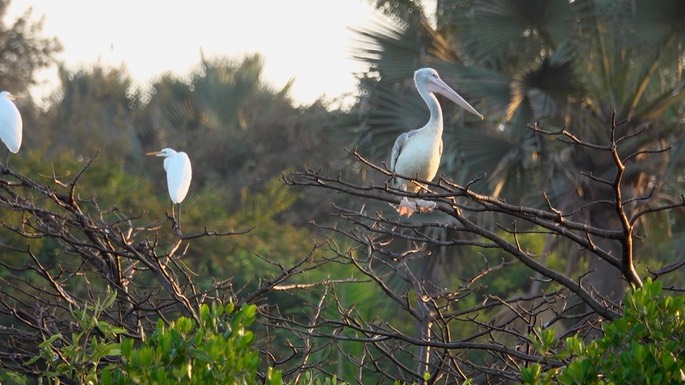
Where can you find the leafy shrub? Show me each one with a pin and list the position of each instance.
(218, 351)
(646, 345)
(77, 356)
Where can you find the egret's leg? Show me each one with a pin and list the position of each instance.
(173, 211)
(179, 216)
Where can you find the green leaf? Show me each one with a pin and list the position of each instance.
(273, 377)
(205, 316)
(126, 347)
(15, 378)
(531, 373)
(145, 356)
(50, 340)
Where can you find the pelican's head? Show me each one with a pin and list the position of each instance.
(429, 80)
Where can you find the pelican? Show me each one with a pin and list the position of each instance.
(416, 153)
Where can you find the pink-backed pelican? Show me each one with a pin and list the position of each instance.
(417, 153)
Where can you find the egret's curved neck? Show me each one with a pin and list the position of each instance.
(435, 121)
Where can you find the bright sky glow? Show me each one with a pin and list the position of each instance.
(306, 39)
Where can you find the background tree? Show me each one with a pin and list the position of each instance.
(23, 51)
(93, 113)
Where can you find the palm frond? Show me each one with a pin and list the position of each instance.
(481, 86)
(401, 10)
(656, 107)
(472, 152)
(657, 22)
(394, 51)
(387, 51)
(512, 29)
(544, 89)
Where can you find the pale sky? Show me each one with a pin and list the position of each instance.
(306, 39)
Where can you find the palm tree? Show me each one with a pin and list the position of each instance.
(556, 63)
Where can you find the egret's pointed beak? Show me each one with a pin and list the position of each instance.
(439, 86)
(153, 153)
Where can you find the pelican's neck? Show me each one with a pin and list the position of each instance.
(431, 100)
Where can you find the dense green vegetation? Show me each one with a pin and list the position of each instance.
(644, 346)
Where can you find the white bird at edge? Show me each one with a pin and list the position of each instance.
(416, 153)
(178, 175)
(11, 125)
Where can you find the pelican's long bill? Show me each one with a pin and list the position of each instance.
(435, 84)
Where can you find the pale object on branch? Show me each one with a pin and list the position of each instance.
(11, 125)
(417, 153)
(178, 175)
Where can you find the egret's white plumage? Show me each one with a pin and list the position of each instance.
(11, 125)
(178, 172)
(417, 153)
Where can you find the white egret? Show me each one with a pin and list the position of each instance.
(11, 126)
(178, 175)
(417, 153)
